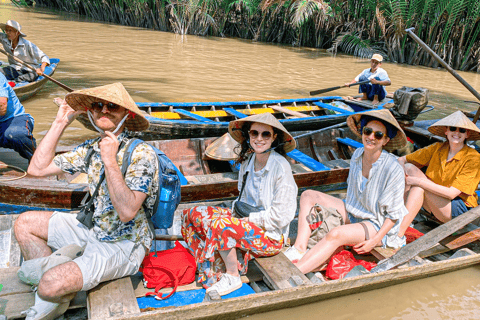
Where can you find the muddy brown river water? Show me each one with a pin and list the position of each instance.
(158, 66)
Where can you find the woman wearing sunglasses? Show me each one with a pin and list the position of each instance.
(221, 242)
(374, 207)
(447, 188)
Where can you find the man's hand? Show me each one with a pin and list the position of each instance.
(109, 148)
(374, 81)
(39, 71)
(65, 113)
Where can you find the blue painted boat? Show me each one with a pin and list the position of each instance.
(25, 90)
(178, 120)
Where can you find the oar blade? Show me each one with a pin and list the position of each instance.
(315, 92)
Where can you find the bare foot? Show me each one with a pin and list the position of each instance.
(375, 102)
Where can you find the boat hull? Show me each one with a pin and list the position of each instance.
(26, 91)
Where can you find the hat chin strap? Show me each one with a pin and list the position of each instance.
(90, 117)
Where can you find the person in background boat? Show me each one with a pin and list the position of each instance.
(216, 235)
(447, 188)
(374, 207)
(375, 90)
(16, 126)
(14, 42)
(117, 236)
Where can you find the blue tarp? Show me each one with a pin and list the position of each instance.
(188, 297)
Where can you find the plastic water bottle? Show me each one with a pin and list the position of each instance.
(167, 203)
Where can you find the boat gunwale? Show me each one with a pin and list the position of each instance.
(296, 296)
(28, 90)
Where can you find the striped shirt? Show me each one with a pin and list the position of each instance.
(382, 196)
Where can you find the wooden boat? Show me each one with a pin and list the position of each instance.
(320, 160)
(177, 120)
(271, 283)
(25, 90)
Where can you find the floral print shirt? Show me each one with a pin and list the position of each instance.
(141, 175)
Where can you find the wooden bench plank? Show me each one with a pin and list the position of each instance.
(383, 253)
(11, 283)
(279, 272)
(12, 305)
(192, 115)
(112, 298)
(9, 249)
(350, 142)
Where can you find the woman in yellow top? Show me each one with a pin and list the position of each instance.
(447, 189)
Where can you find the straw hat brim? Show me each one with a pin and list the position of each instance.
(114, 93)
(222, 148)
(398, 142)
(3, 25)
(235, 129)
(456, 119)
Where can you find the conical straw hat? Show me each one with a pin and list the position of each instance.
(456, 119)
(114, 93)
(235, 129)
(398, 142)
(222, 148)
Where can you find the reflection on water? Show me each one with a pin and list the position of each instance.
(158, 66)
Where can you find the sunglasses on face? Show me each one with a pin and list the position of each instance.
(98, 106)
(377, 134)
(265, 134)
(453, 129)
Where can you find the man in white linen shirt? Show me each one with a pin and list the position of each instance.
(375, 90)
(14, 43)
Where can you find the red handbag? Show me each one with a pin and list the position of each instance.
(168, 269)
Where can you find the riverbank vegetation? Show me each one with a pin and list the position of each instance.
(359, 27)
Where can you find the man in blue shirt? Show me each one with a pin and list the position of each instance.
(375, 90)
(16, 126)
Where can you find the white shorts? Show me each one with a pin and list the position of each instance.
(101, 261)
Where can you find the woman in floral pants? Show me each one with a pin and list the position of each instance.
(221, 242)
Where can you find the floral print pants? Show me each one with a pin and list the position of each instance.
(207, 230)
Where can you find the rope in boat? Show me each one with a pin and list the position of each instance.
(4, 165)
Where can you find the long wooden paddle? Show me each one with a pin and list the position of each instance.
(446, 66)
(315, 92)
(428, 240)
(33, 68)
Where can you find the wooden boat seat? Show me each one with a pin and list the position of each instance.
(280, 273)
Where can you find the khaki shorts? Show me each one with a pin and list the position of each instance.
(101, 261)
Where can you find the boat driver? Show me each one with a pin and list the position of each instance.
(13, 40)
(375, 90)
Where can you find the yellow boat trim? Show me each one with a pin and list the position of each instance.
(220, 113)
